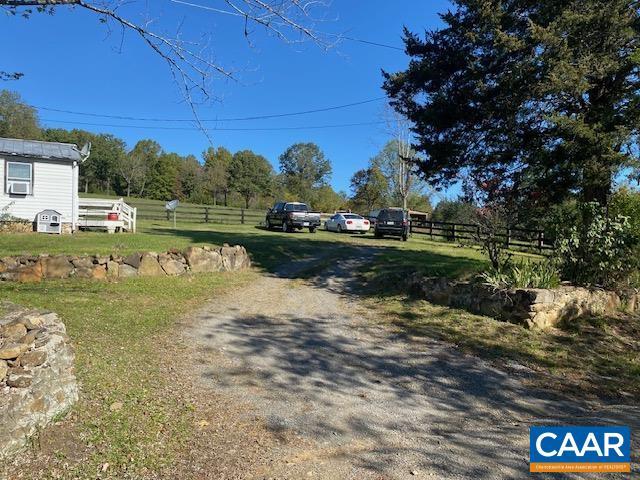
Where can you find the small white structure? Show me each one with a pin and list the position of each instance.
(43, 176)
(40, 176)
(49, 221)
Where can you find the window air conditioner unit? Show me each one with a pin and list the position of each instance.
(20, 188)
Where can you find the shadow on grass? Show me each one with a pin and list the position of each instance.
(381, 267)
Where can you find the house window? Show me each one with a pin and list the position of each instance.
(19, 178)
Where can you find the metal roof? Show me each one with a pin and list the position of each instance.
(38, 149)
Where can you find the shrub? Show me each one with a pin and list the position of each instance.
(524, 274)
(597, 250)
(490, 222)
(626, 202)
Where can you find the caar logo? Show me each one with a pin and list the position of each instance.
(580, 449)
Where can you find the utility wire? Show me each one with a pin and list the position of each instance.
(240, 129)
(236, 119)
(339, 36)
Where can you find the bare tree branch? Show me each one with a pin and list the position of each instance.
(192, 67)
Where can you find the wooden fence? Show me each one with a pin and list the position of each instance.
(514, 238)
(202, 214)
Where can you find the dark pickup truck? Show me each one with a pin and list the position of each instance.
(292, 215)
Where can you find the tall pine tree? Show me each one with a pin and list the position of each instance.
(530, 98)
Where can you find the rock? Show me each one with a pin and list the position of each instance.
(84, 272)
(149, 266)
(4, 368)
(170, 265)
(30, 337)
(7, 264)
(85, 263)
(126, 271)
(12, 350)
(32, 321)
(56, 267)
(30, 273)
(33, 358)
(132, 260)
(19, 380)
(203, 261)
(113, 269)
(116, 406)
(101, 259)
(13, 331)
(99, 272)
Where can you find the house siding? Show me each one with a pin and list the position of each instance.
(54, 186)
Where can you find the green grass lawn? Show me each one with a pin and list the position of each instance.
(121, 333)
(120, 329)
(596, 356)
(268, 248)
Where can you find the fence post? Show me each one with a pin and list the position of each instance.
(206, 214)
(242, 216)
(453, 232)
(168, 215)
(430, 230)
(540, 241)
(508, 239)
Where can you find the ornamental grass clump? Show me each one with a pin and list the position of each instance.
(524, 274)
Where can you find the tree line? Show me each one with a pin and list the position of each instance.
(218, 176)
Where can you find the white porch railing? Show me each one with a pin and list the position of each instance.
(110, 214)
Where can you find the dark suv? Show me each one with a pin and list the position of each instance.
(394, 222)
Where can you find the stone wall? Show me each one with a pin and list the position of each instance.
(16, 226)
(143, 264)
(531, 307)
(37, 381)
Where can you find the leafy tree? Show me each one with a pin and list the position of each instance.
(250, 175)
(163, 177)
(190, 178)
(99, 170)
(532, 99)
(326, 199)
(626, 202)
(304, 168)
(403, 182)
(421, 203)
(216, 168)
(17, 120)
(135, 167)
(106, 152)
(369, 188)
(454, 211)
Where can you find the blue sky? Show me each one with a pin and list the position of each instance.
(71, 62)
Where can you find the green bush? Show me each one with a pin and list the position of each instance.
(524, 274)
(626, 202)
(597, 249)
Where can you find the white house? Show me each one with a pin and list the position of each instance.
(39, 176)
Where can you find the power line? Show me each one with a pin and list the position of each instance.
(248, 129)
(339, 36)
(368, 42)
(236, 119)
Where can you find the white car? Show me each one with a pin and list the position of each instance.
(347, 222)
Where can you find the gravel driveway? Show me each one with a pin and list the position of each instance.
(347, 399)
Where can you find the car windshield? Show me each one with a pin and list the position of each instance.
(296, 207)
(395, 215)
(351, 215)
